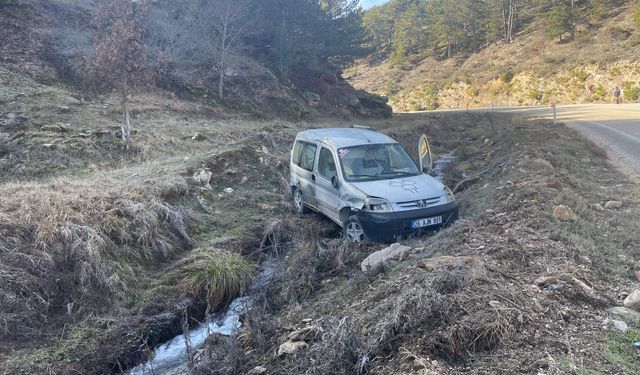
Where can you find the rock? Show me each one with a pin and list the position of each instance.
(203, 177)
(625, 313)
(564, 213)
(198, 137)
(55, 128)
(64, 109)
(375, 262)
(231, 171)
(598, 207)
(291, 347)
(619, 325)
(543, 281)
(613, 205)
(633, 301)
(257, 370)
(244, 179)
(430, 264)
(636, 275)
(305, 334)
(228, 190)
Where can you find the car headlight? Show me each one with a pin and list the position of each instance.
(448, 195)
(377, 205)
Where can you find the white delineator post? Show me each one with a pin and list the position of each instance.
(555, 111)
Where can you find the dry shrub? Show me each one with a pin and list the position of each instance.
(338, 351)
(482, 328)
(468, 322)
(69, 247)
(311, 263)
(217, 276)
(223, 356)
(413, 308)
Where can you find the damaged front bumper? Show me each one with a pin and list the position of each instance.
(389, 226)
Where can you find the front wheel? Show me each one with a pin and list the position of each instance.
(353, 230)
(298, 203)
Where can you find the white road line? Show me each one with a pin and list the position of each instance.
(609, 128)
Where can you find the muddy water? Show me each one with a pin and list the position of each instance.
(171, 357)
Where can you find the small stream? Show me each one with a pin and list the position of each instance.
(171, 356)
(441, 164)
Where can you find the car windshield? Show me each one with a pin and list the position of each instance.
(376, 162)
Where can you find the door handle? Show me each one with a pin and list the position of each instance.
(313, 177)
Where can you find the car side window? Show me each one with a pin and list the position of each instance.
(308, 156)
(326, 164)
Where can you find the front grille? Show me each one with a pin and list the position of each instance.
(419, 203)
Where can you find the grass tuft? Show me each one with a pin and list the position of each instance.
(217, 276)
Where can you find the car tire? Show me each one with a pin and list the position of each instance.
(353, 230)
(298, 202)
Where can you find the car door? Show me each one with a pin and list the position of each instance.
(327, 197)
(304, 158)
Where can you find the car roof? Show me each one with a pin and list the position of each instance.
(345, 137)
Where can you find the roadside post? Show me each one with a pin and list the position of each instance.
(552, 103)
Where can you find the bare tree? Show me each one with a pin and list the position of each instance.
(509, 12)
(119, 62)
(230, 23)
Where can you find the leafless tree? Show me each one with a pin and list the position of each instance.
(229, 24)
(119, 62)
(509, 12)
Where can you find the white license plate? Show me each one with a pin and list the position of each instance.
(421, 223)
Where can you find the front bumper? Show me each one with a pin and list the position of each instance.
(389, 226)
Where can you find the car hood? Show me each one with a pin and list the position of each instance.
(402, 189)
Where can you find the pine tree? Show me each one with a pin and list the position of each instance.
(560, 21)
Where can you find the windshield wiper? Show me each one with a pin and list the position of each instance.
(398, 173)
(363, 175)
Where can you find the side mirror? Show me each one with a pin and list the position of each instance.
(334, 182)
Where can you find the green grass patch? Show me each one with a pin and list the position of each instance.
(620, 351)
(217, 276)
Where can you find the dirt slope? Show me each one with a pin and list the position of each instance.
(467, 299)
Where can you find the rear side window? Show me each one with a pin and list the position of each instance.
(304, 154)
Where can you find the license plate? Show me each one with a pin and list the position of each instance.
(421, 223)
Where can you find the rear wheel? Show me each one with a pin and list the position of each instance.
(298, 203)
(353, 230)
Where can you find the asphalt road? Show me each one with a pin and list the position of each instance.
(614, 127)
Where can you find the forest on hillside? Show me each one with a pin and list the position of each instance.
(443, 28)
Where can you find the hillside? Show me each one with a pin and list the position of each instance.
(111, 253)
(180, 62)
(531, 70)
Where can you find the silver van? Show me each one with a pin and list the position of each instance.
(368, 184)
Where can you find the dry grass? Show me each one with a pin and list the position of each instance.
(69, 247)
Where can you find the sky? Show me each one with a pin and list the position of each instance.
(369, 3)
